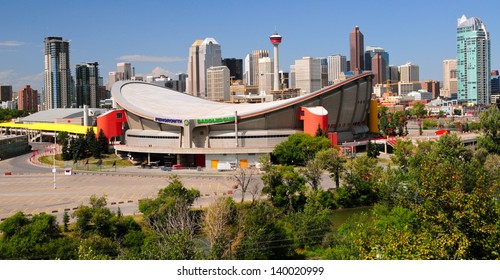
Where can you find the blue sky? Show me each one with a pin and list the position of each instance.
(155, 35)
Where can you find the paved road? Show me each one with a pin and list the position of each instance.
(21, 164)
(30, 188)
(34, 193)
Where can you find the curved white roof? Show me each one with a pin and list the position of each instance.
(152, 101)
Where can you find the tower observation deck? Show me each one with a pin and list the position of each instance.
(276, 40)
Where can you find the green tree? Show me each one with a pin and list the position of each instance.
(219, 223)
(348, 242)
(66, 150)
(263, 235)
(172, 222)
(383, 123)
(299, 148)
(101, 145)
(395, 189)
(96, 218)
(333, 163)
(490, 125)
(402, 153)
(452, 199)
(78, 148)
(66, 218)
(418, 110)
(62, 136)
(372, 150)
(96, 247)
(443, 206)
(319, 132)
(360, 186)
(38, 237)
(456, 201)
(91, 141)
(313, 172)
(6, 115)
(265, 163)
(286, 187)
(312, 224)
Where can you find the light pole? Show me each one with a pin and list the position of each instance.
(54, 159)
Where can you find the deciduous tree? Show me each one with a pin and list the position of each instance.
(173, 222)
(219, 222)
(299, 148)
(263, 236)
(333, 162)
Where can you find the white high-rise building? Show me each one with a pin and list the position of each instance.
(308, 74)
(126, 69)
(336, 65)
(202, 55)
(291, 77)
(408, 73)
(123, 72)
(266, 75)
(218, 83)
(251, 67)
(449, 78)
(248, 70)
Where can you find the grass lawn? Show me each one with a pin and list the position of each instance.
(90, 164)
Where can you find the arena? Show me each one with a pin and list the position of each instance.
(174, 128)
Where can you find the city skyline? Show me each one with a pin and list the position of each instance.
(155, 37)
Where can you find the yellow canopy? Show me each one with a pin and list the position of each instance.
(70, 128)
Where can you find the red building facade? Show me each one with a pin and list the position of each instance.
(111, 124)
(27, 99)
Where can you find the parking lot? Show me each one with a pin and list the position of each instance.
(35, 193)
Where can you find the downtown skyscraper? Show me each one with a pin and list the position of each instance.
(203, 54)
(473, 61)
(87, 84)
(449, 78)
(337, 64)
(356, 47)
(27, 99)
(377, 60)
(251, 72)
(308, 74)
(57, 73)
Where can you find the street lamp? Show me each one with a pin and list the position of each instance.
(54, 159)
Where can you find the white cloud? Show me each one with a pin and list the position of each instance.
(145, 58)
(157, 71)
(11, 44)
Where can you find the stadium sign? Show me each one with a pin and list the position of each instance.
(215, 120)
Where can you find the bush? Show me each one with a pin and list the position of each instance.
(427, 123)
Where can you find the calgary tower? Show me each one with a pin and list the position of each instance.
(276, 40)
